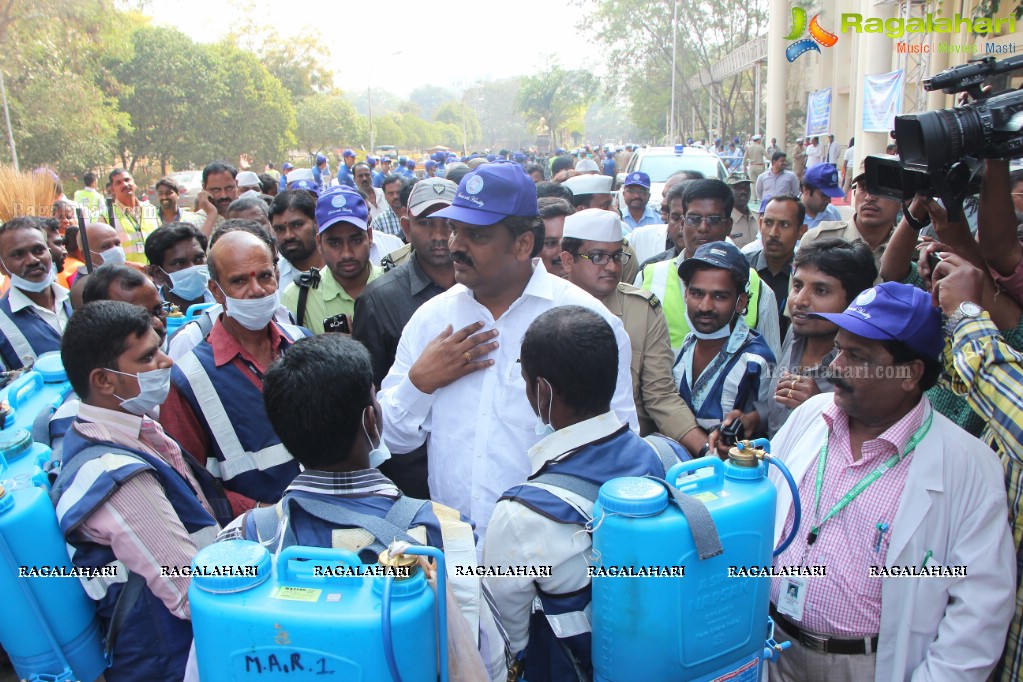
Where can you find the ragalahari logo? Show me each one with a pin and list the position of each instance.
(817, 35)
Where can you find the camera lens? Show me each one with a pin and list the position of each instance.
(932, 140)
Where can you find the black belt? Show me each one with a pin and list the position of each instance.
(825, 645)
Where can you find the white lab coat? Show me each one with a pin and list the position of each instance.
(953, 504)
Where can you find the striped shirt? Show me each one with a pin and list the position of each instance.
(138, 522)
(387, 222)
(988, 371)
(847, 603)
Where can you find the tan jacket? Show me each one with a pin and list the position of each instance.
(658, 403)
(844, 229)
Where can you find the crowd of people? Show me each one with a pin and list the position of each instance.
(444, 350)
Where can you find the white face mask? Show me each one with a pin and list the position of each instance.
(722, 333)
(252, 313)
(19, 282)
(112, 256)
(379, 453)
(154, 387)
(544, 428)
(189, 283)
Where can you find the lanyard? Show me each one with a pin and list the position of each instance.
(864, 483)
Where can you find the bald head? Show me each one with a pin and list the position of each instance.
(236, 251)
(101, 237)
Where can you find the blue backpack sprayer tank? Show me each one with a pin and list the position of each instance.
(308, 614)
(707, 518)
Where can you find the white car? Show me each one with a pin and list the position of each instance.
(661, 162)
(190, 182)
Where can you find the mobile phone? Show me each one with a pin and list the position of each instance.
(338, 323)
(933, 259)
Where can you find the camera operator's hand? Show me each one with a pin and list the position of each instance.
(957, 281)
(956, 235)
(923, 265)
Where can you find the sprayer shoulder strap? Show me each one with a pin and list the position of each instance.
(701, 525)
(130, 594)
(383, 529)
(662, 446)
(573, 484)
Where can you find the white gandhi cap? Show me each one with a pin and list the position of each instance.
(589, 184)
(595, 225)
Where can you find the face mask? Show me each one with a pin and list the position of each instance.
(154, 386)
(112, 256)
(189, 283)
(253, 313)
(544, 428)
(722, 333)
(380, 452)
(32, 287)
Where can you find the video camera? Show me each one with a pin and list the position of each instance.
(940, 151)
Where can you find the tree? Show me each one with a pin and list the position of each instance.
(63, 112)
(464, 118)
(162, 96)
(293, 60)
(639, 35)
(326, 121)
(501, 125)
(428, 98)
(390, 130)
(557, 95)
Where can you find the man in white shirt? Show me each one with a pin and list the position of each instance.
(456, 382)
(35, 309)
(374, 195)
(813, 153)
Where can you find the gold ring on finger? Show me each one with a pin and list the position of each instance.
(468, 356)
(789, 395)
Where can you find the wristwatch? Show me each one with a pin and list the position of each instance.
(966, 309)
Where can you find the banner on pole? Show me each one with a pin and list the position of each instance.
(882, 101)
(818, 113)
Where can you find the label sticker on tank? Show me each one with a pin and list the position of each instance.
(705, 497)
(296, 593)
(333, 597)
(747, 672)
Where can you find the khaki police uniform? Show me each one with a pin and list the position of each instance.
(844, 229)
(630, 269)
(396, 258)
(755, 155)
(745, 228)
(658, 403)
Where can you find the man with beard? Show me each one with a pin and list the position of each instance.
(593, 256)
(723, 370)
(781, 226)
(131, 219)
(699, 213)
(344, 239)
(873, 223)
(35, 310)
(457, 383)
(388, 303)
(218, 183)
(826, 277)
(636, 193)
(293, 219)
(553, 211)
(388, 221)
(744, 223)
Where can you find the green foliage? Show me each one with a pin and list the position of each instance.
(428, 98)
(326, 121)
(389, 130)
(501, 126)
(294, 60)
(462, 117)
(559, 96)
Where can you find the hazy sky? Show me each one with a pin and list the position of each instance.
(440, 42)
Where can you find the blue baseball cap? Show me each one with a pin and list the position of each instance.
(320, 158)
(824, 176)
(385, 159)
(638, 178)
(716, 255)
(348, 153)
(430, 163)
(286, 166)
(308, 185)
(894, 312)
(519, 157)
(341, 204)
(371, 161)
(491, 193)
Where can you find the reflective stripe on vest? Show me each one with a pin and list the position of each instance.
(662, 279)
(236, 459)
(9, 328)
(460, 550)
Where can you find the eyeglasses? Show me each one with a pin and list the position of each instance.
(619, 257)
(712, 220)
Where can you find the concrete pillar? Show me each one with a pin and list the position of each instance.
(875, 56)
(777, 69)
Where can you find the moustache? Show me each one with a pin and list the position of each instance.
(461, 258)
(841, 384)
